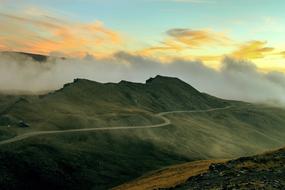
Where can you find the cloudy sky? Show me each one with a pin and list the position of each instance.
(164, 30)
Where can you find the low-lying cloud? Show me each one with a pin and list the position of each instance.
(236, 79)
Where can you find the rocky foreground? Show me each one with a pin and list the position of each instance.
(266, 171)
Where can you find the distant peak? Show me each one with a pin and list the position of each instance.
(84, 81)
(124, 82)
(128, 83)
(79, 82)
(160, 78)
(34, 56)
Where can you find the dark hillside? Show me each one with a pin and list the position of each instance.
(264, 171)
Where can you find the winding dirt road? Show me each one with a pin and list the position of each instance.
(159, 115)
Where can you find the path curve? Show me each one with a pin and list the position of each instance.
(159, 115)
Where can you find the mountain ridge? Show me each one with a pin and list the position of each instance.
(105, 159)
(149, 95)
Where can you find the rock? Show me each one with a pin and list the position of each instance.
(217, 167)
(276, 181)
(22, 124)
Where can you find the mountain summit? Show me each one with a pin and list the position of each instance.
(157, 94)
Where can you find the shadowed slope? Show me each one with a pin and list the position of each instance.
(264, 171)
(168, 177)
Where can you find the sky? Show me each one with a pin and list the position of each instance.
(161, 30)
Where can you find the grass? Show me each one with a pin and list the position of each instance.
(105, 159)
(168, 177)
(6, 133)
(263, 171)
(96, 161)
(177, 176)
(101, 160)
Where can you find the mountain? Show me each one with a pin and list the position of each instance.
(157, 94)
(91, 103)
(264, 171)
(69, 138)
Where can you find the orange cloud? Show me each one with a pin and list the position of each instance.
(282, 54)
(198, 38)
(210, 58)
(185, 42)
(198, 45)
(167, 46)
(45, 34)
(253, 50)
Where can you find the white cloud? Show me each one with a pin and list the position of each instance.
(237, 79)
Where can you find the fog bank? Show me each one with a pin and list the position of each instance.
(239, 80)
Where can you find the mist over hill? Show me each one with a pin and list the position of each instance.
(236, 79)
(93, 135)
(142, 95)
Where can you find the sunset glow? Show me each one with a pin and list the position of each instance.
(158, 29)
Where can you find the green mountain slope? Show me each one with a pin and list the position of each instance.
(156, 95)
(104, 159)
(85, 104)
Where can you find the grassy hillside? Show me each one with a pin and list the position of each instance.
(265, 171)
(85, 104)
(105, 159)
(241, 130)
(168, 177)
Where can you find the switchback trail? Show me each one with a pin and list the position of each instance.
(159, 115)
